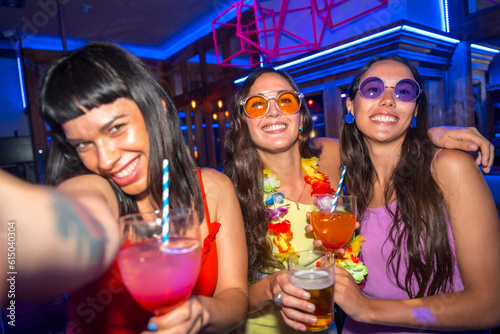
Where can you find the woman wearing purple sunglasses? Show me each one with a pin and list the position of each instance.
(427, 215)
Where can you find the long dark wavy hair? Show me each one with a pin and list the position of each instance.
(99, 74)
(244, 167)
(419, 227)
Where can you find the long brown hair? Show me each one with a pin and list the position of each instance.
(419, 224)
(244, 167)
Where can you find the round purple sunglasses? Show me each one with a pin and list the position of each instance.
(406, 90)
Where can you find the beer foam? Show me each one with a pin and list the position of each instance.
(312, 280)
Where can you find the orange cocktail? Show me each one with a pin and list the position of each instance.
(333, 219)
(334, 230)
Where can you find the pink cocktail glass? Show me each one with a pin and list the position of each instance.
(160, 275)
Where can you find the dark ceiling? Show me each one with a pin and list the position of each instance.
(156, 24)
(164, 26)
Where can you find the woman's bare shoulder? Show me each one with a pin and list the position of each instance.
(326, 141)
(454, 170)
(215, 181)
(329, 160)
(221, 198)
(448, 162)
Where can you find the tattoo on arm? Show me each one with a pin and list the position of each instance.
(74, 223)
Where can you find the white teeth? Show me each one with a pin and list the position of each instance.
(384, 119)
(127, 171)
(274, 127)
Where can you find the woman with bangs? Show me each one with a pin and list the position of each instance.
(275, 167)
(112, 125)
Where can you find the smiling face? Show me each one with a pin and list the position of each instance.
(275, 131)
(111, 140)
(385, 118)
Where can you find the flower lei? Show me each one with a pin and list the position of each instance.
(352, 261)
(281, 228)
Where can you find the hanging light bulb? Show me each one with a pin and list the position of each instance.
(195, 152)
(193, 104)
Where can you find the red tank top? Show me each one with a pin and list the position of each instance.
(207, 280)
(105, 306)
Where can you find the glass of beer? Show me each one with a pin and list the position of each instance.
(333, 219)
(314, 271)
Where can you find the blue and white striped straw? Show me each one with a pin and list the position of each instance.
(165, 218)
(338, 190)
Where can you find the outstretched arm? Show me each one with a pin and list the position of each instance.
(50, 241)
(466, 139)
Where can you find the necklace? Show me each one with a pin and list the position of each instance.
(281, 228)
(300, 196)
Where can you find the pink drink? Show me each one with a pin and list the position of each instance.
(160, 276)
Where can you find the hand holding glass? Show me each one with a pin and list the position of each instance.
(314, 272)
(333, 228)
(160, 275)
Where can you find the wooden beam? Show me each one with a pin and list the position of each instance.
(481, 26)
(39, 132)
(459, 86)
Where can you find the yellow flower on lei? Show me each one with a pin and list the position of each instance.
(309, 166)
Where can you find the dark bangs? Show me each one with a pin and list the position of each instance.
(76, 83)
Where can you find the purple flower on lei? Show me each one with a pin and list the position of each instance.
(278, 212)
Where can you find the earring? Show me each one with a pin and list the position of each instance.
(413, 123)
(349, 117)
(300, 132)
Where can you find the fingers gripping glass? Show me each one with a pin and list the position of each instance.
(406, 90)
(256, 106)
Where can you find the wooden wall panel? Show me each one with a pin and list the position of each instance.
(459, 86)
(434, 91)
(332, 106)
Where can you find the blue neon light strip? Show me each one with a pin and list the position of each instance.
(193, 33)
(430, 34)
(21, 80)
(359, 41)
(337, 48)
(484, 48)
(446, 16)
(51, 43)
(55, 44)
(1, 322)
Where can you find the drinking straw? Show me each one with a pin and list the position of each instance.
(338, 190)
(165, 218)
